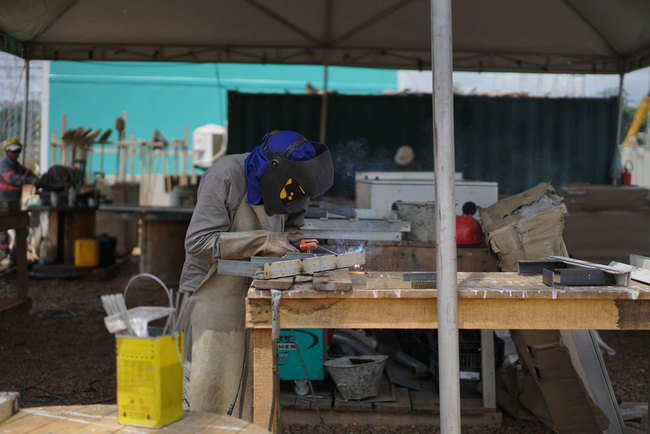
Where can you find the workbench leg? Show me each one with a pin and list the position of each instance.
(488, 371)
(21, 262)
(263, 380)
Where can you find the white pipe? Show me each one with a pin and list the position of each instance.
(446, 262)
(619, 119)
(45, 120)
(25, 120)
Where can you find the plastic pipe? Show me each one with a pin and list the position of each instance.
(446, 266)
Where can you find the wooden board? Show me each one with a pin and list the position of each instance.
(333, 280)
(424, 401)
(281, 283)
(402, 403)
(8, 405)
(103, 418)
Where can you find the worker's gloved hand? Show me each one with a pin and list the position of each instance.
(33, 180)
(243, 245)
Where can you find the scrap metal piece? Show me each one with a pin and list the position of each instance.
(261, 267)
(424, 276)
(537, 266)
(639, 274)
(577, 277)
(622, 277)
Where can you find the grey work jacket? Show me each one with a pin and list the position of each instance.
(221, 190)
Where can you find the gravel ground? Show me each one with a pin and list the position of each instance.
(61, 354)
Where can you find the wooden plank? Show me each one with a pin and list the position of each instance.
(424, 401)
(333, 280)
(263, 378)
(281, 283)
(8, 404)
(402, 403)
(539, 314)
(342, 405)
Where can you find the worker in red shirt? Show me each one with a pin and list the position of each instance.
(13, 176)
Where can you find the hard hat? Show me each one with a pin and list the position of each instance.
(13, 145)
(404, 155)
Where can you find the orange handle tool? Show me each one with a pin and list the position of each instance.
(308, 244)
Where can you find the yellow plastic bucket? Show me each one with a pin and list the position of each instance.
(149, 380)
(86, 252)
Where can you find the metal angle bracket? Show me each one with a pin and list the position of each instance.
(577, 277)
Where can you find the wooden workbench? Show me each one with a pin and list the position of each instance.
(383, 300)
(103, 418)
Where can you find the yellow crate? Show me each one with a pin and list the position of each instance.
(149, 380)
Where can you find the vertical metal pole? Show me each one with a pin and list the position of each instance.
(619, 120)
(446, 262)
(25, 122)
(323, 108)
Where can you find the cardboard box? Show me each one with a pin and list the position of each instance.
(605, 222)
(527, 225)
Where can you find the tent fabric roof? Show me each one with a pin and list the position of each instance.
(563, 36)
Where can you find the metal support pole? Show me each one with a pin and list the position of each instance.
(323, 108)
(446, 262)
(619, 120)
(25, 122)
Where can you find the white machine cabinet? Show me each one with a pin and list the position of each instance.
(379, 190)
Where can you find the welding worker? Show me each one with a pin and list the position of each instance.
(248, 205)
(13, 176)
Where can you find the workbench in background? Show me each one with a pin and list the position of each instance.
(66, 225)
(162, 240)
(486, 301)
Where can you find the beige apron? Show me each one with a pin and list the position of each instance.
(218, 330)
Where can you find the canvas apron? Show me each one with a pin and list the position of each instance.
(218, 330)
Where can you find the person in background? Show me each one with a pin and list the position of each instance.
(13, 176)
(247, 205)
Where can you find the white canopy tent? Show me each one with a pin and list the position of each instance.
(563, 36)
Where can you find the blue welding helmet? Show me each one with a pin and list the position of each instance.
(287, 185)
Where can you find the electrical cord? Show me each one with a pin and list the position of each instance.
(323, 425)
(231, 407)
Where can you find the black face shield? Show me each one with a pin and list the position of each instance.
(288, 185)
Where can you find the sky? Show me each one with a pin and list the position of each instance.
(635, 84)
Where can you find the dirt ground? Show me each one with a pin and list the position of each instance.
(60, 353)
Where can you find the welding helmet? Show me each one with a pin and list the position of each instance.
(287, 185)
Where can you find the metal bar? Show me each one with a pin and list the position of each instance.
(636, 273)
(419, 276)
(446, 260)
(239, 268)
(488, 370)
(357, 225)
(363, 236)
(25, 119)
(339, 209)
(311, 265)
(536, 267)
(578, 277)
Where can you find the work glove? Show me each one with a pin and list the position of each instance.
(243, 245)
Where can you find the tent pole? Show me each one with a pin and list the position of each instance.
(323, 107)
(619, 120)
(446, 261)
(25, 122)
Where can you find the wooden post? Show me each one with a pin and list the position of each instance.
(53, 146)
(64, 121)
(183, 178)
(263, 380)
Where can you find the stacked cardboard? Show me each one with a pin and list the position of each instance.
(606, 222)
(527, 225)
